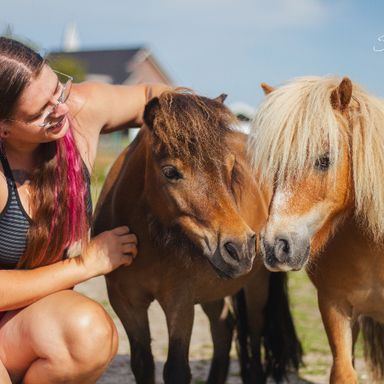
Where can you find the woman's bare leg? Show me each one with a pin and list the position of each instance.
(4, 377)
(62, 338)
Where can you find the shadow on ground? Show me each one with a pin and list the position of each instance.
(119, 372)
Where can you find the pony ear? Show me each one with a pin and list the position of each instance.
(221, 98)
(341, 96)
(150, 111)
(267, 88)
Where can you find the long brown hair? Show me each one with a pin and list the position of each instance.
(58, 185)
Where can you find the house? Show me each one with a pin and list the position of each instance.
(244, 114)
(117, 66)
(113, 66)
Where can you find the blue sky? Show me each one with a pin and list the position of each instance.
(217, 46)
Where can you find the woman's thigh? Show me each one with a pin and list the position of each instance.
(61, 326)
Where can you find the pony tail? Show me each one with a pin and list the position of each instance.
(58, 190)
(283, 350)
(373, 335)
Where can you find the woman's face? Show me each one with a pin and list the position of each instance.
(35, 102)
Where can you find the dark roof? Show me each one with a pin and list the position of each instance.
(112, 62)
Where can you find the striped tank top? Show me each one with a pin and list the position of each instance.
(15, 222)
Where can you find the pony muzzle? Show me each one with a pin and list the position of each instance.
(235, 252)
(285, 252)
(234, 257)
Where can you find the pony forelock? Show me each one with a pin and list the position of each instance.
(192, 127)
(296, 124)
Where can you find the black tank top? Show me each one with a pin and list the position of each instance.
(15, 222)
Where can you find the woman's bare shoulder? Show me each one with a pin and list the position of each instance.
(80, 99)
(86, 123)
(89, 107)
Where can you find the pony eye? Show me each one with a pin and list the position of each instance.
(323, 163)
(171, 173)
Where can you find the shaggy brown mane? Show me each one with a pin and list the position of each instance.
(191, 127)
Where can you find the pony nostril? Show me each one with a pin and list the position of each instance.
(232, 250)
(282, 249)
(252, 243)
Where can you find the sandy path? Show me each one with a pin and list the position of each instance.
(200, 351)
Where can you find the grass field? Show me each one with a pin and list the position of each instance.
(317, 355)
(308, 322)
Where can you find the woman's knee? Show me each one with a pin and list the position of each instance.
(83, 338)
(71, 334)
(90, 334)
(85, 346)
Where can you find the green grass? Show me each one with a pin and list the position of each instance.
(307, 317)
(309, 326)
(110, 147)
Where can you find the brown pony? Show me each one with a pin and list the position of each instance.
(322, 141)
(185, 188)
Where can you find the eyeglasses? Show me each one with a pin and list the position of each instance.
(65, 82)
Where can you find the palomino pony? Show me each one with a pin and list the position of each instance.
(185, 188)
(322, 142)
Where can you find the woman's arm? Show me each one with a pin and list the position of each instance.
(105, 108)
(106, 252)
(19, 288)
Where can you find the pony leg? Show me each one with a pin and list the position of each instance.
(256, 295)
(136, 325)
(137, 328)
(179, 322)
(222, 324)
(338, 326)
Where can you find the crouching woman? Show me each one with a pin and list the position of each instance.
(49, 130)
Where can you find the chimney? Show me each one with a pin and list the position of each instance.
(71, 41)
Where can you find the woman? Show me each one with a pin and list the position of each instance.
(49, 133)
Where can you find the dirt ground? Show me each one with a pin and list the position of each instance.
(200, 351)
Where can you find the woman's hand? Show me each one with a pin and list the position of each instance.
(109, 250)
(104, 253)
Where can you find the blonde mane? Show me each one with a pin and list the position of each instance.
(296, 124)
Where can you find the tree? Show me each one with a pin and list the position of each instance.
(70, 66)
